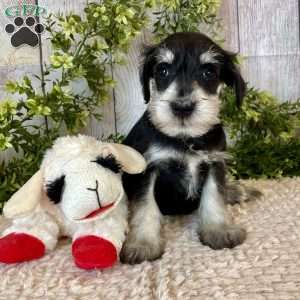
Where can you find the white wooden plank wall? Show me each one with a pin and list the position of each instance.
(265, 32)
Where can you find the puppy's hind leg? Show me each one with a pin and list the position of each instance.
(237, 193)
(144, 239)
(215, 226)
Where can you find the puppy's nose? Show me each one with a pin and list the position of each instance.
(182, 109)
(185, 90)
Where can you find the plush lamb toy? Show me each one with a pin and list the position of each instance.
(77, 192)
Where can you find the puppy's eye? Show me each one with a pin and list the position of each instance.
(208, 74)
(162, 70)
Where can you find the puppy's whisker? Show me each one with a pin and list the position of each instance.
(203, 98)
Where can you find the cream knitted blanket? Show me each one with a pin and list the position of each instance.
(266, 266)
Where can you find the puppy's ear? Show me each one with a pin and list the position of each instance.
(231, 75)
(54, 189)
(146, 71)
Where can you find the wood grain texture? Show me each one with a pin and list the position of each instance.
(278, 74)
(268, 27)
(229, 16)
(130, 104)
(129, 99)
(106, 126)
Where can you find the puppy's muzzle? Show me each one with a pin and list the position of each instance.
(183, 109)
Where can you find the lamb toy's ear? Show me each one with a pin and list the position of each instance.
(131, 161)
(26, 198)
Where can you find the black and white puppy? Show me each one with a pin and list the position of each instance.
(183, 141)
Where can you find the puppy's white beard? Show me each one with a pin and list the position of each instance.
(200, 122)
(206, 114)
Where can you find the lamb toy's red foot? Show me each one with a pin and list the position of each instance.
(20, 247)
(91, 252)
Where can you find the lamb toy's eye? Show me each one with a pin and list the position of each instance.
(54, 189)
(108, 162)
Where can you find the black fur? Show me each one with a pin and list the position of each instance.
(108, 162)
(219, 173)
(181, 109)
(172, 178)
(232, 77)
(54, 189)
(187, 48)
(170, 190)
(147, 71)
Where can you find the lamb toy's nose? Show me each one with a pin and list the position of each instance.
(96, 191)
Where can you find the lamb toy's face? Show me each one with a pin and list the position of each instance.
(89, 186)
(81, 176)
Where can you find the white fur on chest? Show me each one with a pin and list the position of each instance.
(157, 154)
(192, 158)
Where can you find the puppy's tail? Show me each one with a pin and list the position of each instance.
(236, 192)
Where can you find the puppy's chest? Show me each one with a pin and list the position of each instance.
(180, 179)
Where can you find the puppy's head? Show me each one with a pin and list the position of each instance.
(182, 78)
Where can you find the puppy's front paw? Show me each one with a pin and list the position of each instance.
(137, 251)
(225, 236)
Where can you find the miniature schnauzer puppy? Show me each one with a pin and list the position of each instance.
(183, 141)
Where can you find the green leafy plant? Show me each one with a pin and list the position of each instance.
(83, 50)
(264, 135)
(185, 15)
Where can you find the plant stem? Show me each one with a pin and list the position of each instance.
(43, 83)
(177, 14)
(86, 36)
(113, 90)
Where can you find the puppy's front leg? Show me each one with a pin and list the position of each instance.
(215, 227)
(144, 239)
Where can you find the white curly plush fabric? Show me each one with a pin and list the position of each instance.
(266, 266)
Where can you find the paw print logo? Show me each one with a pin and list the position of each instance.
(24, 33)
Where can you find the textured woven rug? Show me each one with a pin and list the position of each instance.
(266, 266)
